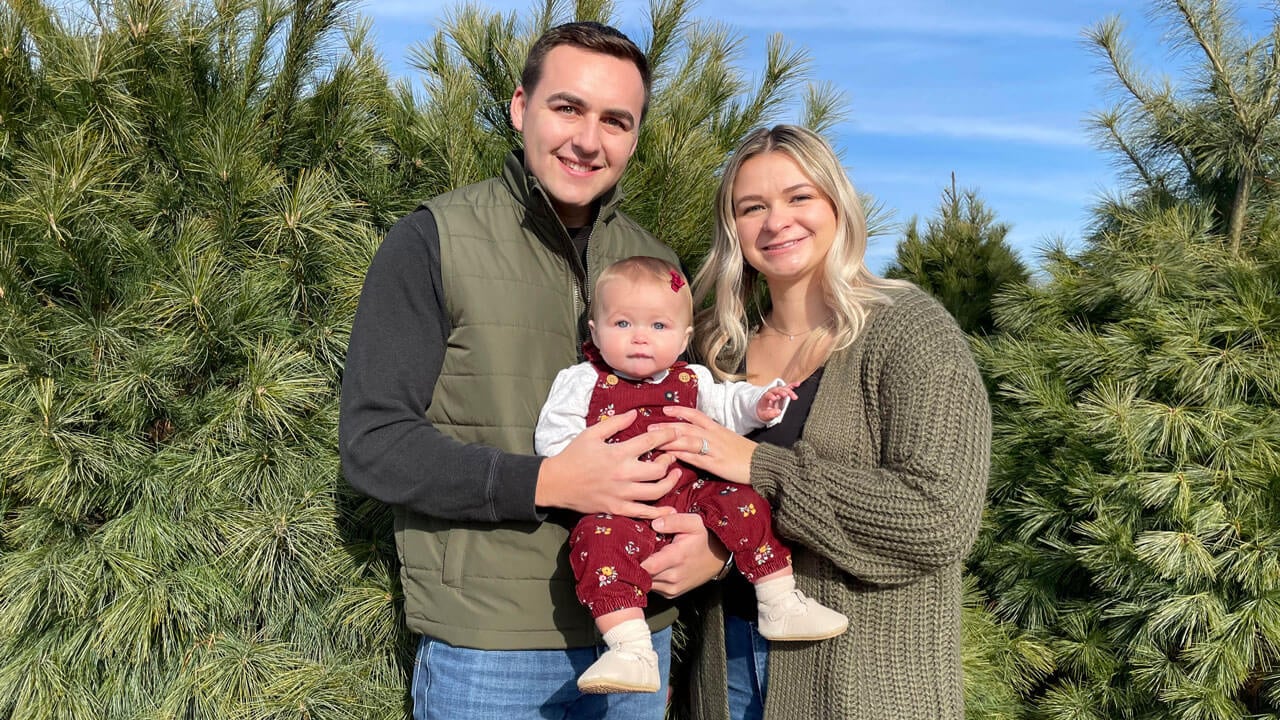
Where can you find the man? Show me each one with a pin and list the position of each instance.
(472, 305)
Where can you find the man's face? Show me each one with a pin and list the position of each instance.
(580, 125)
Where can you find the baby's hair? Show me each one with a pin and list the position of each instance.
(642, 268)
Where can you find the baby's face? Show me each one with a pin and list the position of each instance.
(640, 327)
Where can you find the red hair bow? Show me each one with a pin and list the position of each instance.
(677, 282)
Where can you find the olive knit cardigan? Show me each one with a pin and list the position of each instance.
(880, 500)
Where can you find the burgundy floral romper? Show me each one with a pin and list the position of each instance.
(606, 550)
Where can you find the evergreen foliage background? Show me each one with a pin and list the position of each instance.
(1135, 501)
(1134, 521)
(190, 195)
(1211, 138)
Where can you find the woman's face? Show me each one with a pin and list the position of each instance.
(786, 225)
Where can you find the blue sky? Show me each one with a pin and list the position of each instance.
(996, 91)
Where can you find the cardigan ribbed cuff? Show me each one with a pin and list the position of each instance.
(768, 464)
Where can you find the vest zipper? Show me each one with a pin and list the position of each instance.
(582, 288)
(586, 283)
(581, 276)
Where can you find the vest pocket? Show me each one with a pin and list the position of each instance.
(455, 552)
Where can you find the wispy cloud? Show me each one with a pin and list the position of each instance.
(971, 128)
(419, 11)
(915, 18)
(1016, 184)
(627, 14)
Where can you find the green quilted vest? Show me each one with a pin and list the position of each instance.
(514, 300)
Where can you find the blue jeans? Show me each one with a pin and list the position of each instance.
(454, 683)
(748, 666)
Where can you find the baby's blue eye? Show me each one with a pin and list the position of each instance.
(622, 324)
(659, 326)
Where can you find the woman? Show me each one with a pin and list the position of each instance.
(878, 473)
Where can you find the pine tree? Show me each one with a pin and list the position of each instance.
(963, 261)
(1135, 499)
(1135, 518)
(962, 258)
(1214, 138)
(190, 195)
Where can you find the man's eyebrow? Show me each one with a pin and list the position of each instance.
(566, 97)
(618, 113)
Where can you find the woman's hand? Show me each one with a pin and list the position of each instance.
(706, 445)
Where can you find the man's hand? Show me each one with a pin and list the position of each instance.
(693, 557)
(593, 476)
(773, 401)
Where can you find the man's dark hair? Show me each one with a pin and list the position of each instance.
(592, 36)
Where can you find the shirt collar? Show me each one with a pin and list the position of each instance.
(655, 378)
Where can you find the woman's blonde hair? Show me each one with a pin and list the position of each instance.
(850, 289)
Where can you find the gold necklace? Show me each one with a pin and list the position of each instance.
(790, 336)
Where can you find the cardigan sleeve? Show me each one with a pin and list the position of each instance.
(917, 506)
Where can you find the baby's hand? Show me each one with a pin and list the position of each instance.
(773, 400)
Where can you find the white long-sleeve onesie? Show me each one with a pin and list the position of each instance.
(564, 415)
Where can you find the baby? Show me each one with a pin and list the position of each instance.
(641, 322)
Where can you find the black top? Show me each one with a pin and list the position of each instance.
(739, 595)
